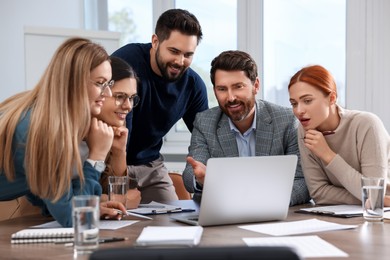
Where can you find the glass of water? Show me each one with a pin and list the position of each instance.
(373, 193)
(118, 186)
(85, 223)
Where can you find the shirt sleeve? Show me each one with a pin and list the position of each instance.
(372, 147)
(61, 210)
(198, 103)
(199, 151)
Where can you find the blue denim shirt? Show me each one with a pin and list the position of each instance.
(60, 210)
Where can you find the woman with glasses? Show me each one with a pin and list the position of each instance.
(114, 111)
(42, 129)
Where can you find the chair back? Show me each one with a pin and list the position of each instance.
(178, 183)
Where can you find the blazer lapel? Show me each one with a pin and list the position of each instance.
(264, 130)
(226, 138)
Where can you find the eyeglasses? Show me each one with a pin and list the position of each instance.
(104, 85)
(120, 98)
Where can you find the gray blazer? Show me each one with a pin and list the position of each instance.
(276, 134)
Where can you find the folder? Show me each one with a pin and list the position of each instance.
(155, 208)
(340, 211)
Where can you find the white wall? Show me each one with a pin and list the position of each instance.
(14, 16)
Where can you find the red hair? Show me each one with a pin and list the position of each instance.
(318, 77)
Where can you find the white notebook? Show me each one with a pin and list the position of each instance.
(167, 236)
(43, 235)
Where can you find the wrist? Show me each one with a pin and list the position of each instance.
(99, 165)
(118, 151)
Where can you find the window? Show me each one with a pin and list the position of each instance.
(219, 34)
(299, 33)
(134, 20)
(281, 35)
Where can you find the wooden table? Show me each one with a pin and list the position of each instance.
(368, 241)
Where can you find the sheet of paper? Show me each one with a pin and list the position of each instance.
(305, 246)
(295, 227)
(51, 224)
(115, 224)
(339, 209)
(104, 224)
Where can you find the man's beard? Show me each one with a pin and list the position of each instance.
(163, 67)
(239, 115)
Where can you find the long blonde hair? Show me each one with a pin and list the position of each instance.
(60, 119)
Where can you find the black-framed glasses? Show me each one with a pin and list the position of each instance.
(104, 85)
(120, 98)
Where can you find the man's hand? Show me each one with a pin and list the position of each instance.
(198, 168)
(387, 201)
(133, 198)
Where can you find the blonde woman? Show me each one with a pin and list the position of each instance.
(41, 131)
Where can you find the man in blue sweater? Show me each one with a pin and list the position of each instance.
(169, 90)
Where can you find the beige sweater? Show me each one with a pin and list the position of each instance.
(362, 145)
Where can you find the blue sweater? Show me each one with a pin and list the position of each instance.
(60, 210)
(162, 104)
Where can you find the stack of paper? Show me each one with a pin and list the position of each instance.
(167, 236)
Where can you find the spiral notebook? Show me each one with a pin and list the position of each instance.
(43, 235)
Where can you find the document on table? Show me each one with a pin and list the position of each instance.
(305, 246)
(154, 208)
(115, 224)
(344, 211)
(104, 224)
(295, 227)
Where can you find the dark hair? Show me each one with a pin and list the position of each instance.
(234, 60)
(318, 77)
(121, 69)
(180, 20)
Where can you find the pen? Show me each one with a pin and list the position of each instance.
(112, 239)
(134, 214)
(103, 240)
(328, 133)
(151, 206)
(166, 211)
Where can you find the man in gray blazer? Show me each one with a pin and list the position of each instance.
(241, 125)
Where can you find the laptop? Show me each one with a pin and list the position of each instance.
(245, 189)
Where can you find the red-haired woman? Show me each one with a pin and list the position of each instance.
(337, 146)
